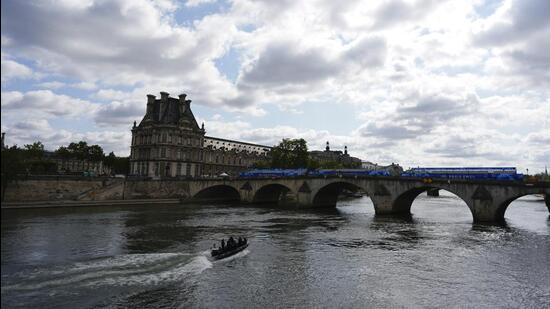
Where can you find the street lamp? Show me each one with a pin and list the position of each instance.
(527, 171)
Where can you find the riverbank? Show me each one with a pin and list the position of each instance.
(57, 204)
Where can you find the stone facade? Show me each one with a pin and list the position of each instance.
(168, 142)
(338, 156)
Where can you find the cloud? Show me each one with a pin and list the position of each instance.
(286, 63)
(417, 114)
(32, 130)
(397, 12)
(194, 3)
(46, 103)
(426, 82)
(144, 45)
(118, 113)
(280, 63)
(518, 33)
(14, 70)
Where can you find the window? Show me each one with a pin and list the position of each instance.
(169, 138)
(157, 169)
(163, 152)
(164, 137)
(179, 169)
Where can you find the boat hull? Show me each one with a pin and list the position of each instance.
(230, 252)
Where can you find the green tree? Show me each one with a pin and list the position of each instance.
(78, 150)
(35, 150)
(12, 164)
(82, 151)
(290, 153)
(63, 152)
(118, 165)
(94, 153)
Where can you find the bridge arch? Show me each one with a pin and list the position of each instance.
(503, 206)
(273, 193)
(327, 196)
(403, 203)
(218, 193)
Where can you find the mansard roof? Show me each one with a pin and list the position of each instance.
(169, 111)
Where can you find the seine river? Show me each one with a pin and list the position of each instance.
(157, 256)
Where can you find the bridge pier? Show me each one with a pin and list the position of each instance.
(384, 205)
(485, 211)
(433, 192)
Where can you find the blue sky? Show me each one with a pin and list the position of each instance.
(419, 82)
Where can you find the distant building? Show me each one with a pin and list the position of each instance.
(76, 166)
(168, 142)
(330, 156)
(393, 169)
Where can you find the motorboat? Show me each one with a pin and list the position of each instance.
(222, 253)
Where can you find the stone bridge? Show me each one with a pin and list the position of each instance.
(487, 200)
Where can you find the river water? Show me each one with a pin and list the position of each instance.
(157, 256)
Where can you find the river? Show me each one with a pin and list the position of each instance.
(157, 256)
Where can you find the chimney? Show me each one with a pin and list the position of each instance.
(164, 95)
(150, 103)
(182, 106)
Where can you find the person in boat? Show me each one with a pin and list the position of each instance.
(231, 242)
(223, 244)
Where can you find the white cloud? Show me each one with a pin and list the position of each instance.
(12, 70)
(45, 103)
(194, 3)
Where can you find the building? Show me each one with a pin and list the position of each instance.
(168, 142)
(393, 169)
(76, 166)
(335, 156)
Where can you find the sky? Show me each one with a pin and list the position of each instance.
(419, 83)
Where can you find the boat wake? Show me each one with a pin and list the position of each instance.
(241, 254)
(116, 271)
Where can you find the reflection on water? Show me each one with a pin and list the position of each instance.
(157, 256)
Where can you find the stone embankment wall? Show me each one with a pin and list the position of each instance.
(151, 189)
(92, 189)
(63, 189)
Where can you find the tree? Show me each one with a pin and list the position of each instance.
(82, 151)
(78, 150)
(290, 153)
(35, 150)
(94, 153)
(63, 152)
(118, 165)
(12, 164)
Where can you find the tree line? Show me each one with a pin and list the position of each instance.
(293, 153)
(32, 158)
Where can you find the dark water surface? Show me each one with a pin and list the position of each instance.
(157, 256)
